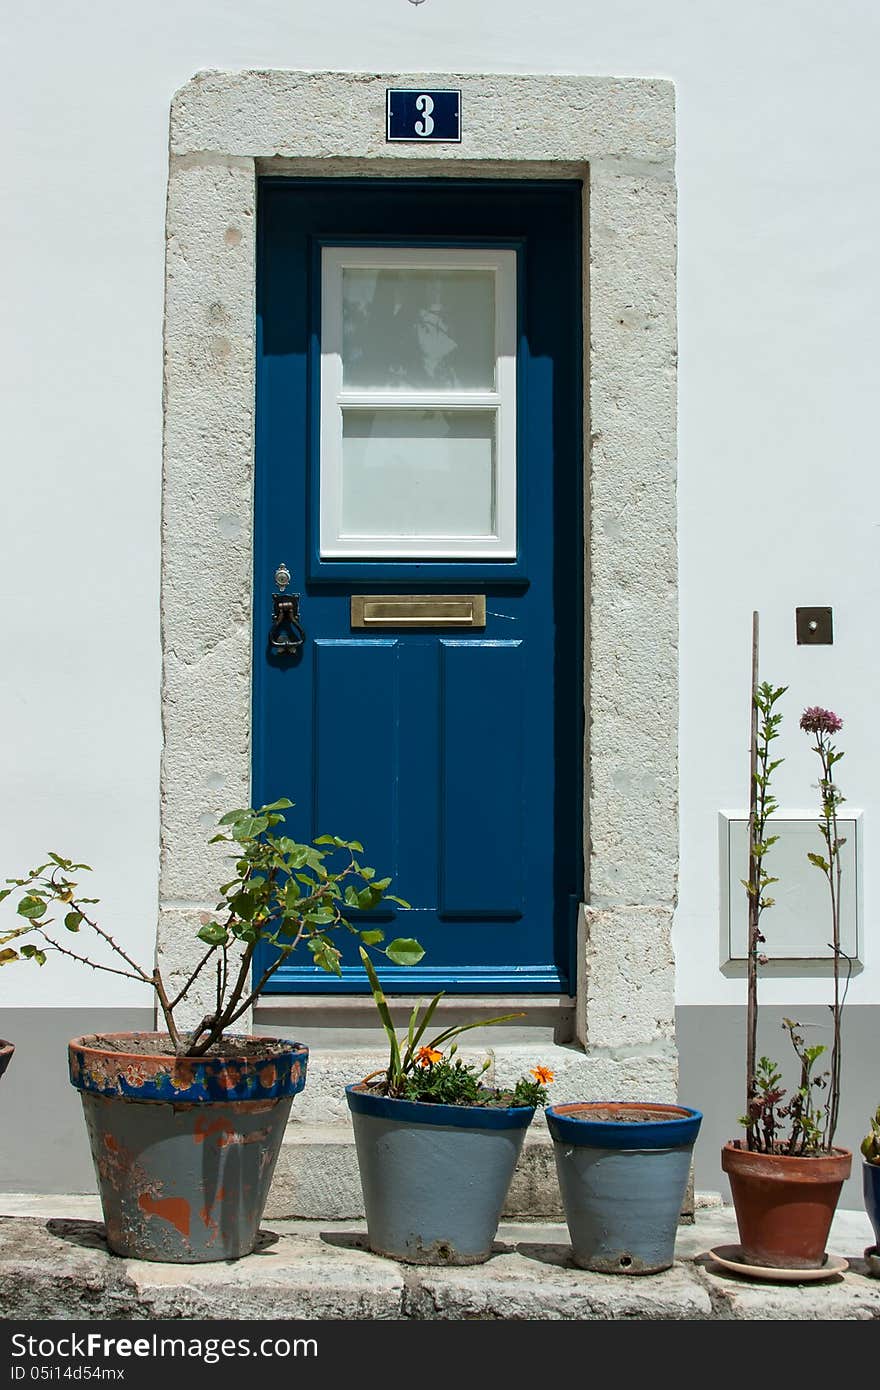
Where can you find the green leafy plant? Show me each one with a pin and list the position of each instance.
(870, 1145)
(280, 893)
(823, 724)
(768, 1116)
(799, 1125)
(450, 1081)
(807, 1119)
(764, 730)
(420, 1071)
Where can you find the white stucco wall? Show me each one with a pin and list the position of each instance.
(778, 204)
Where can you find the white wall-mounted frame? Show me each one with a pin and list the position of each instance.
(798, 926)
(335, 399)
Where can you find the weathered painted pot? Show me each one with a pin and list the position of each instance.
(184, 1148)
(6, 1051)
(784, 1206)
(623, 1171)
(434, 1177)
(871, 1189)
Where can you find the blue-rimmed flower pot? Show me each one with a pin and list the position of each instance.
(623, 1171)
(184, 1148)
(871, 1189)
(434, 1177)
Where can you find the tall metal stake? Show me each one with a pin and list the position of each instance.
(754, 888)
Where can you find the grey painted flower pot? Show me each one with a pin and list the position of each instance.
(434, 1177)
(184, 1148)
(623, 1181)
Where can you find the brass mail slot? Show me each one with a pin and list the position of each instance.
(418, 610)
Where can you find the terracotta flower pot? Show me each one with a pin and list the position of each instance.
(6, 1051)
(784, 1206)
(184, 1147)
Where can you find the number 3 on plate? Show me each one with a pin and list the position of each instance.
(425, 104)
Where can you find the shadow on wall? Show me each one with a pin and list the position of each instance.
(43, 1144)
(711, 1045)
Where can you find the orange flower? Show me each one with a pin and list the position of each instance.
(426, 1055)
(542, 1074)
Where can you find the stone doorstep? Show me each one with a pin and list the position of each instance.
(59, 1268)
(317, 1175)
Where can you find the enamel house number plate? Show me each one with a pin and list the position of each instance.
(430, 117)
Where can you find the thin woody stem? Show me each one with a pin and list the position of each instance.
(834, 878)
(754, 892)
(95, 965)
(215, 1025)
(266, 976)
(159, 986)
(114, 945)
(193, 977)
(270, 970)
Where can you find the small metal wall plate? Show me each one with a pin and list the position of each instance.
(423, 117)
(814, 626)
(418, 610)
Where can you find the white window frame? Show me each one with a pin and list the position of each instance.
(333, 400)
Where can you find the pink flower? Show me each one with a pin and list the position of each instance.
(816, 720)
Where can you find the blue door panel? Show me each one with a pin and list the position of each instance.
(418, 777)
(482, 786)
(457, 760)
(348, 795)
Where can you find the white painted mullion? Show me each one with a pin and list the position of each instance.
(419, 400)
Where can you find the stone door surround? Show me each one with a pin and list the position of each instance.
(618, 137)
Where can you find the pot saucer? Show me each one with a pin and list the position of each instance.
(872, 1260)
(730, 1256)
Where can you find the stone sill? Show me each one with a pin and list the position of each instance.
(351, 1020)
(54, 1264)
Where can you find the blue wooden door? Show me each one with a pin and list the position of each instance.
(454, 755)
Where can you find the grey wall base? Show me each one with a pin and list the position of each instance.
(711, 1045)
(43, 1143)
(43, 1146)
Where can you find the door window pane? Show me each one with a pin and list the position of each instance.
(418, 402)
(421, 329)
(427, 473)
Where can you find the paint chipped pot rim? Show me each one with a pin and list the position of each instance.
(585, 1124)
(817, 1168)
(420, 1112)
(6, 1051)
(103, 1064)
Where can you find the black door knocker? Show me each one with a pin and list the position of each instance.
(285, 615)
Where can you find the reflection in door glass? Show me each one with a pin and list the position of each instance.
(418, 473)
(421, 329)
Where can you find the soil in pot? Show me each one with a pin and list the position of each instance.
(184, 1148)
(784, 1205)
